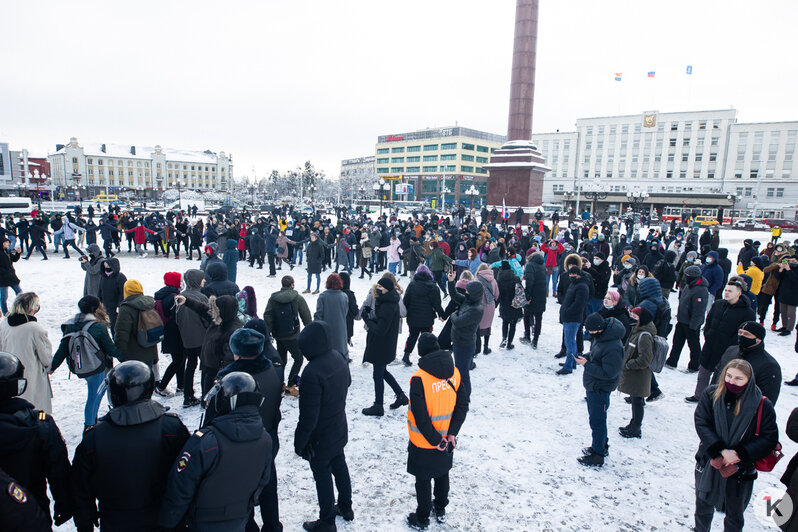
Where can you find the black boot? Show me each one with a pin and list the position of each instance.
(319, 526)
(401, 400)
(486, 350)
(406, 360)
(593, 459)
(535, 342)
(346, 513)
(374, 410)
(417, 523)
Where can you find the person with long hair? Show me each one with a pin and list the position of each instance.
(727, 420)
(333, 307)
(91, 312)
(381, 340)
(26, 338)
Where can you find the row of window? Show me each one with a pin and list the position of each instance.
(428, 169)
(146, 164)
(674, 126)
(432, 158)
(434, 147)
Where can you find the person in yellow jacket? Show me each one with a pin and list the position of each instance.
(437, 410)
(754, 271)
(775, 233)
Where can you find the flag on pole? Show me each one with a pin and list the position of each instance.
(504, 210)
(651, 73)
(689, 70)
(618, 76)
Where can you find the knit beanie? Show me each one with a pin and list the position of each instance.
(132, 287)
(692, 271)
(595, 322)
(88, 304)
(427, 343)
(386, 283)
(754, 328)
(171, 279)
(643, 314)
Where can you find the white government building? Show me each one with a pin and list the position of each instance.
(95, 168)
(693, 160)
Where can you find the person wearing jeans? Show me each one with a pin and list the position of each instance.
(572, 312)
(95, 388)
(8, 276)
(602, 370)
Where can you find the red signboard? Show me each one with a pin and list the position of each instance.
(394, 138)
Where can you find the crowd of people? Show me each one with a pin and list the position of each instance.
(613, 287)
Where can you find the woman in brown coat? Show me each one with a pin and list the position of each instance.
(636, 374)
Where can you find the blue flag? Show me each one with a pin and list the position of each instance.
(689, 70)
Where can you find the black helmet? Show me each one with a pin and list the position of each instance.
(12, 380)
(234, 390)
(129, 382)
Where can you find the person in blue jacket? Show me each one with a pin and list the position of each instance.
(230, 258)
(713, 273)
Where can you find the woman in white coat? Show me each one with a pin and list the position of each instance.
(23, 336)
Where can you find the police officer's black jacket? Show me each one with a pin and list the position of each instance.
(322, 427)
(123, 462)
(33, 452)
(270, 385)
(19, 509)
(218, 477)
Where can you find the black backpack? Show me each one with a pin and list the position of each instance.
(286, 320)
(662, 321)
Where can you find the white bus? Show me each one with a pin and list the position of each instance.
(15, 205)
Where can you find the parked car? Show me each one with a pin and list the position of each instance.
(782, 222)
(755, 224)
(705, 220)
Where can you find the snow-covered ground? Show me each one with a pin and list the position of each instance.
(515, 466)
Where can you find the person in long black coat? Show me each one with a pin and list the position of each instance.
(112, 289)
(172, 342)
(315, 259)
(216, 282)
(321, 432)
(720, 332)
(383, 333)
(422, 300)
(257, 243)
(510, 315)
(535, 290)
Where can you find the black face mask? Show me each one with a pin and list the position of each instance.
(746, 343)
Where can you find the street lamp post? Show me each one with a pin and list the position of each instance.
(596, 192)
(733, 199)
(444, 190)
(473, 193)
(378, 189)
(568, 195)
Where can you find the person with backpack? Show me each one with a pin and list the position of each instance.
(636, 371)
(689, 318)
(32, 450)
(651, 299)
(112, 288)
(89, 352)
(129, 325)
(172, 341)
(283, 312)
(123, 461)
(509, 314)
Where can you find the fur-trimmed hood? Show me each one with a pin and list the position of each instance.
(223, 309)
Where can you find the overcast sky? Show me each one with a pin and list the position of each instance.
(278, 82)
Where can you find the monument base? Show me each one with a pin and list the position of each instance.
(515, 177)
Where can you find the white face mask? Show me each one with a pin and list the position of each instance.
(597, 261)
(710, 260)
(640, 276)
(627, 266)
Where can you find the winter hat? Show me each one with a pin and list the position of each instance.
(692, 271)
(427, 343)
(643, 315)
(246, 343)
(386, 283)
(631, 260)
(757, 261)
(595, 322)
(132, 287)
(614, 296)
(88, 304)
(754, 328)
(505, 265)
(259, 325)
(424, 269)
(692, 255)
(575, 270)
(171, 279)
(600, 255)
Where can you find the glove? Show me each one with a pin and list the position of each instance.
(308, 453)
(61, 513)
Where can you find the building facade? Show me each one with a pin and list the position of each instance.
(148, 171)
(5, 165)
(701, 159)
(436, 166)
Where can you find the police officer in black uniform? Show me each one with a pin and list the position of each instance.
(123, 461)
(249, 348)
(32, 450)
(217, 479)
(19, 511)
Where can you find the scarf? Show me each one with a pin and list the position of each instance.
(711, 486)
(488, 289)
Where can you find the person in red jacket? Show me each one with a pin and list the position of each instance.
(242, 243)
(553, 250)
(140, 237)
